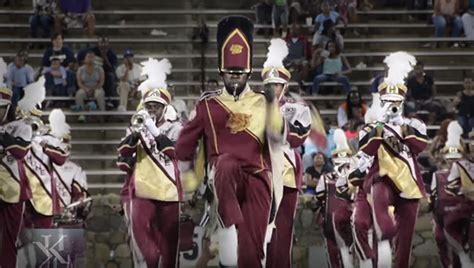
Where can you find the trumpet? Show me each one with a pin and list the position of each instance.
(37, 125)
(394, 110)
(138, 120)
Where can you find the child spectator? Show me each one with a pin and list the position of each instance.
(55, 76)
(464, 103)
(326, 14)
(90, 79)
(19, 75)
(58, 49)
(42, 18)
(129, 74)
(334, 67)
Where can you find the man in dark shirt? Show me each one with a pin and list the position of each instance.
(106, 58)
(421, 92)
(57, 50)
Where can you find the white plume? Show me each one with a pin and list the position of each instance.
(399, 64)
(34, 95)
(340, 140)
(57, 123)
(156, 71)
(374, 113)
(277, 51)
(454, 134)
(3, 72)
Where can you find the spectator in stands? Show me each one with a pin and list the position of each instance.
(58, 50)
(280, 17)
(105, 58)
(420, 96)
(55, 76)
(464, 103)
(353, 109)
(90, 79)
(71, 74)
(298, 52)
(180, 106)
(446, 12)
(328, 33)
(326, 14)
(42, 17)
(314, 172)
(19, 75)
(75, 13)
(347, 10)
(212, 85)
(468, 22)
(129, 75)
(334, 65)
(263, 15)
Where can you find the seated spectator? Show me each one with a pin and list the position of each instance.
(347, 10)
(464, 102)
(105, 58)
(19, 75)
(280, 17)
(468, 21)
(58, 50)
(55, 76)
(328, 33)
(90, 79)
(71, 83)
(75, 13)
(263, 15)
(180, 107)
(437, 144)
(446, 12)
(212, 85)
(420, 95)
(353, 109)
(326, 14)
(334, 67)
(129, 74)
(298, 53)
(42, 17)
(314, 172)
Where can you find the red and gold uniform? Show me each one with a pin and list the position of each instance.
(238, 130)
(298, 116)
(394, 143)
(45, 202)
(152, 191)
(15, 138)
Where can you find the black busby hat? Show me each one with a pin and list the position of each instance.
(234, 44)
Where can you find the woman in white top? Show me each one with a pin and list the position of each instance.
(334, 65)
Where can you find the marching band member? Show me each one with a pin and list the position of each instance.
(362, 222)
(441, 202)
(336, 218)
(153, 184)
(461, 184)
(239, 126)
(15, 138)
(298, 116)
(395, 142)
(46, 151)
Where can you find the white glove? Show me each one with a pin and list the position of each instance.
(150, 124)
(383, 117)
(397, 120)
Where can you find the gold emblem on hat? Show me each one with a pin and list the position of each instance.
(274, 73)
(236, 49)
(392, 90)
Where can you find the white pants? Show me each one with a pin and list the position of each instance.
(123, 91)
(468, 24)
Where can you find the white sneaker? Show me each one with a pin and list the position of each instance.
(121, 109)
(384, 254)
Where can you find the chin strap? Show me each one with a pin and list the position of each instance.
(6, 113)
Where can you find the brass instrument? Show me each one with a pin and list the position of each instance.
(394, 109)
(37, 126)
(138, 120)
